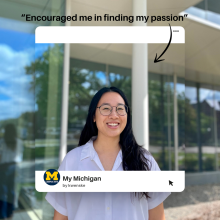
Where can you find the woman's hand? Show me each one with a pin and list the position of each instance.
(58, 216)
(157, 213)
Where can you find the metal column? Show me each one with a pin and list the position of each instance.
(65, 93)
(176, 140)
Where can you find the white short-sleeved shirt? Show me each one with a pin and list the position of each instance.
(101, 205)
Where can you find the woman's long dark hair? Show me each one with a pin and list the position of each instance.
(133, 154)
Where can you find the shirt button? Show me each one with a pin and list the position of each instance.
(108, 208)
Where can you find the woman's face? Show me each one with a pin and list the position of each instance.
(107, 124)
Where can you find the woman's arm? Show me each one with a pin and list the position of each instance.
(58, 216)
(157, 213)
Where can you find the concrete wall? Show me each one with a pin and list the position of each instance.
(203, 178)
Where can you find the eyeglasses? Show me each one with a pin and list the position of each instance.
(106, 109)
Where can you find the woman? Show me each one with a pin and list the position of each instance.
(107, 143)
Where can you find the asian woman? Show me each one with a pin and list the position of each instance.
(107, 143)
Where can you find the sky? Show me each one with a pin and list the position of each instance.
(17, 50)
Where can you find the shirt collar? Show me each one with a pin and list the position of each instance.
(89, 151)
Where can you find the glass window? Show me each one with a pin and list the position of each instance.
(208, 108)
(161, 119)
(30, 100)
(120, 77)
(86, 78)
(181, 96)
(217, 125)
(213, 6)
(206, 9)
(191, 128)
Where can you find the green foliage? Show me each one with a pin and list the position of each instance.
(39, 69)
(123, 83)
(47, 72)
(209, 163)
(80, 95)
(191, 162)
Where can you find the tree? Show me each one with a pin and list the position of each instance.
(40, 70)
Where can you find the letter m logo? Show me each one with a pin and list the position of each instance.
(51, 176)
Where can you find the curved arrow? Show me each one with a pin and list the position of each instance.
(157, 59)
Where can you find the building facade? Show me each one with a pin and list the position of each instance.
(183, 91)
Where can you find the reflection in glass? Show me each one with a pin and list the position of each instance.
(181, 99)
(30, 101)
(191, 128)
(121, 78)
(208, 108)
(161, 119)
(11, 153)
(202, 111)
(16, 121)
(206, 9)
(48, 73)
(216, 96)
(86, 78)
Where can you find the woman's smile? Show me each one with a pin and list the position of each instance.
(113, 125)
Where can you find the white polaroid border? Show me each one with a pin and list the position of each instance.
(111, 181)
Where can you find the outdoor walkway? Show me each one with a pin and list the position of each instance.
(202, 211)
(194, 203)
